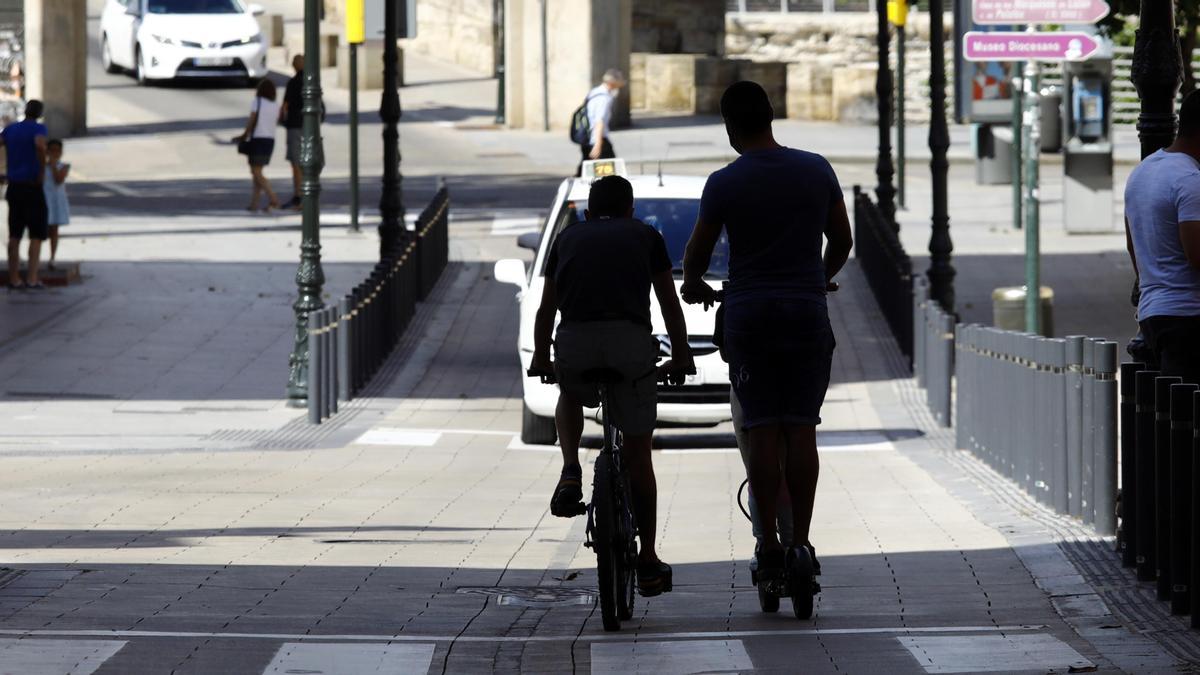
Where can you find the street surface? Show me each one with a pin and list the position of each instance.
(162, 510)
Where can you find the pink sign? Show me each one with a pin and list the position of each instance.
(1028, 46)
(1008, 12)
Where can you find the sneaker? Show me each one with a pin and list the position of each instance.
(567, 501)
(654, 579)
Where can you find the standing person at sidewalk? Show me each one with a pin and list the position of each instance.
(54, 185)
(259, 139)
(1162, 229)
(291, 114)
(25, 145)
(775, 204)
(599, 108)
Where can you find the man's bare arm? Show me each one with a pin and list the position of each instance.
(837, 231)
(698, 254)
(39, 145)
(543, 324)
(672, 313)
(1189, 235)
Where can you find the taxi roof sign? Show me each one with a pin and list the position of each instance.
(595, 169)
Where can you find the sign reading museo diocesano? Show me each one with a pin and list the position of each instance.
(1008, 12)
(1056, 46)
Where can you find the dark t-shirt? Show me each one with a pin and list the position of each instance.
(21, 147)
(291, 96)
(603, 269)
(774, 205)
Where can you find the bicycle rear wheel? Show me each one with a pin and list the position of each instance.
(609, 557)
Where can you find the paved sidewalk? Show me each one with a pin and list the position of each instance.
(425, 545)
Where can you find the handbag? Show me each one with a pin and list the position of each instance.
(243, 147)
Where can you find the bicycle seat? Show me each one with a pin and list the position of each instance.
(602, 376)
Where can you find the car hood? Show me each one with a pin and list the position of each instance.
(202, 28)
(699, 321)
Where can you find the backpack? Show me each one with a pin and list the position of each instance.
(581, 126)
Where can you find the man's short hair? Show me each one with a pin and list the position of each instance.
(746, 108)
(611, 196)
(613, 76)
(54, 143)
(1189, 115)
(34, 109)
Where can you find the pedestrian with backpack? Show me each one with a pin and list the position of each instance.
(592, 120)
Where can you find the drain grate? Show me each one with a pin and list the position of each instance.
(534, 596)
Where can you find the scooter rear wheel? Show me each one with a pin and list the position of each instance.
(767, 601)
(800, 582)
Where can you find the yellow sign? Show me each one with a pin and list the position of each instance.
(355, 27)
(897, 12)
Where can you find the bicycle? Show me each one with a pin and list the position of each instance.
(611, 524)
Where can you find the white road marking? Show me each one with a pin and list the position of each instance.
(387, 436)
(119, 189)
(56, 657)
(335, 659)
(294, 637)
(991, 653)
(464, 432)
(674, 658)
(511, 227)
(517, 444)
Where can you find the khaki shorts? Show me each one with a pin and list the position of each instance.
(623, 346)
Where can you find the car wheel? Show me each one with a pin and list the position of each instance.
(106, 56)
(140, 68)
(535, 429)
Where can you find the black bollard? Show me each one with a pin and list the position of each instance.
(1181, 496)
(1162, 482)
(1147, 565)
(1128, 535)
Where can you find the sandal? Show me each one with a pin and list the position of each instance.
(36, 286)
(812, 555)
(567, 501)
(654, 579)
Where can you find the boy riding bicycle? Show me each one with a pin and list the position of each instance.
(599, 274)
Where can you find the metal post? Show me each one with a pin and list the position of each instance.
(941, 272)
(1087, 502)
(884, 193)
(1074, 421)
(498, 42)
(1162, 482)
(1059, 425)
(1104, 439)
(1018, 114)
(901, 155)
(345, 340)
(1157, 73)
(354, 136)
(963, 365)
(1039, 397)
(1129, 486)
(545, 69)
(946, 341)
(1147, 510)
(391, 204)
(920, 297)
(1182, 433)
(309, 276)
(313, 373)
(330, 358)
(1033, 284)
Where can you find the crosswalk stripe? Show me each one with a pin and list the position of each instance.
(673, 658)
(55, 657)
(509, 227)
(355, 659)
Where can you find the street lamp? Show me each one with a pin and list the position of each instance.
(391, 206)
(1157, 72)
(941, 272)
(309, 276)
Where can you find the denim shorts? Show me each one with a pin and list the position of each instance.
(780, 356)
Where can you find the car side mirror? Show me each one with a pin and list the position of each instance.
(256, 10)
(510, 271)
(132, 9)
(530, 240)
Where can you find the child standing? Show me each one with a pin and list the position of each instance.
(57, 208)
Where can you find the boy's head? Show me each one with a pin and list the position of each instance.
(34, 109)
(610, 197)
(747, 111)
(54, 147)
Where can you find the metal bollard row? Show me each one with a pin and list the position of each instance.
(933, 349)
(350, 341)
(1042, 412)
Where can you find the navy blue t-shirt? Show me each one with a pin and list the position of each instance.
(774, 205)
(22, 153)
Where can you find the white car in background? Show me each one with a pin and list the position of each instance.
(669, 204)
(167, 39)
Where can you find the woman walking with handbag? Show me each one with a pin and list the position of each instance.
(257, 142)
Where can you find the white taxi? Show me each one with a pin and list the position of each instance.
(670, 205)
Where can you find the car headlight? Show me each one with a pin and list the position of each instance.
(162, 39)
(253, 39)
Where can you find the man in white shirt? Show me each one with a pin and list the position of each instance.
(599, 106)
(1162, 224)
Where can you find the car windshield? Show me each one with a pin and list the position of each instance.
(674, 219)
(195, 7)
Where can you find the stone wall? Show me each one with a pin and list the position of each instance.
(458, 31)
(679, 26)
(693, 83)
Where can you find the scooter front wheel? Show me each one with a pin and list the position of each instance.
(800, 582)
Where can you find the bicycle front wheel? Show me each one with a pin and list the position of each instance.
(609, 560)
